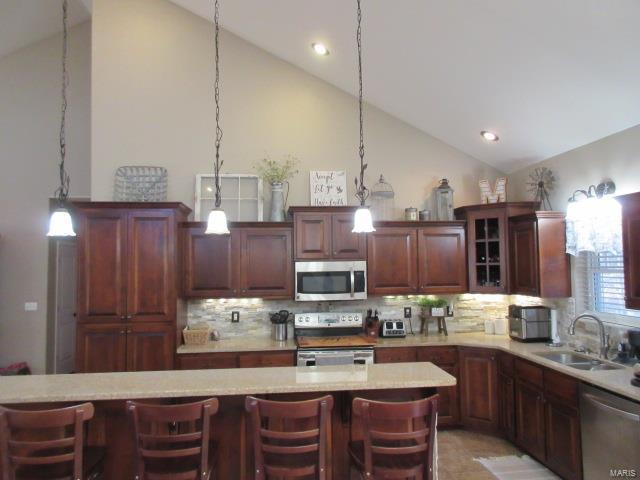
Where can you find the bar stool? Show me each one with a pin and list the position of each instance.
(173, 441)
(39, 444)
(291, 439)
(398, 440)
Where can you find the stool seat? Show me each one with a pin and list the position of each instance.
(396, 466)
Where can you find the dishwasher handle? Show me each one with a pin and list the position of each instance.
(598, 403)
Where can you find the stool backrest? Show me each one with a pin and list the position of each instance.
(396, 429)
(172, 433)
(297, 431)
(37, 438)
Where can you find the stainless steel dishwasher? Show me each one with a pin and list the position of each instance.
(610, 434)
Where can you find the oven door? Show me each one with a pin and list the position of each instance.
(318, 281)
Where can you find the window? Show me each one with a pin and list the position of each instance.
(241, 197)
(599, 285)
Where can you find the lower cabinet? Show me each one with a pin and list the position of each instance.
(203, 361)
(479, 389)
(530, 424)
(564, 453)
(124, 347)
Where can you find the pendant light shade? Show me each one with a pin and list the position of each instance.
(363, 221)
(60, 224)
(217, 222)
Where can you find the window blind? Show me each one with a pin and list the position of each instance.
(599, 284)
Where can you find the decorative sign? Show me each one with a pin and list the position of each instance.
(498, 194)
(328, 188)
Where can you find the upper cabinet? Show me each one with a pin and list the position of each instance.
(254, 260)
(127, 261)
(631, 248)
(417, 257)
(325, 234)
(488, 243)
(538, 262)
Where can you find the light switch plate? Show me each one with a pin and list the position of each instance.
(407, 312)
(235, 316)
(31, 306)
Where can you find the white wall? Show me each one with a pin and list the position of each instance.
(29, 123)
(153, 105)
(616, 157)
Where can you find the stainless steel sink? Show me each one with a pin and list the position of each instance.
(578, 361)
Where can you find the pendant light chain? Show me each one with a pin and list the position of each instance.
(62, 192)
(219, 163)
(362, 191)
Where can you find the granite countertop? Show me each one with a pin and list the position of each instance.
(616, 381)
(200, 383)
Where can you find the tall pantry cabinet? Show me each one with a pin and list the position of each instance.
(127, 285)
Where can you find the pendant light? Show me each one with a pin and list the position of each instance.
(362, 220)
(60, 224)
(217, 221)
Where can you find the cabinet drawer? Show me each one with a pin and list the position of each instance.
(561, 387)
(266, 359)
(208, 360)
(529, 373)
(395, 355)
(438, 355)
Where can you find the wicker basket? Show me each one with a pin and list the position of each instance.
(196, 334)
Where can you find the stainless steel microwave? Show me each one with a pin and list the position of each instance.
(318, 281)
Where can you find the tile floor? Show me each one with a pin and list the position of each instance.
(458, 448)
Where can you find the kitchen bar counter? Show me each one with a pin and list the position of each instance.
(223, 382)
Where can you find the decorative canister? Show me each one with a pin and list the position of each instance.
(444, 201)
(382, 200)
(411, 214)
(425, 215)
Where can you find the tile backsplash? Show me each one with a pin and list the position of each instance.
(470, 313)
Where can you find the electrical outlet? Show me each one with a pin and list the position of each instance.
(407, 312)
(235, 316)
(31, 306)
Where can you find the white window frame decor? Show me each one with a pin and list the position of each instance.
(598, 283)
(200, 215)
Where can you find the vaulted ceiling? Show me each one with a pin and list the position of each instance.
(546, 75)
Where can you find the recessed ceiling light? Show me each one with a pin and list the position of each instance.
(320, 49)
(489, 136)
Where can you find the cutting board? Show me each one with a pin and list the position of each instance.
(346, 341)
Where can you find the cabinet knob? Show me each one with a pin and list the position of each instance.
(123, 317)
(122, 332)
(129, 317)
(128, 331)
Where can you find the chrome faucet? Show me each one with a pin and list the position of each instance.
(604, 337)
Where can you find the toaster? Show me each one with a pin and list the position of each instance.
(393, 328)
(529, 324)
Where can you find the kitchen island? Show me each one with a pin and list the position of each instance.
(109, 392)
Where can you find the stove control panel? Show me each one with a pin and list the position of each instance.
(328, 320)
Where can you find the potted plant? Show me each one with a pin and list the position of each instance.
(276, 173)
(433, 307)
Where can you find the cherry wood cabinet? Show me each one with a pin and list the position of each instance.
(506, 396)
(442, 259)
(395, 354)
(324, 233)
(392, 266)
(488, 243)
(254, 260)
(150, 347)
(266, 267)
(530, 424)
(203, 361)
(479, 389)
(538, 262)
(631, 248)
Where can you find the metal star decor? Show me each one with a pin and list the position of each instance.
(541, 182)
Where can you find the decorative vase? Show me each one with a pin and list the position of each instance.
(277, 202)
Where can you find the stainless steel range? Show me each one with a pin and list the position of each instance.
(332, 339)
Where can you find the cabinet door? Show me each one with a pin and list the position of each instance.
(266, 266)
(488, 263)
(101, 348)
(266, 359)
(392, 261)
(210, 264)
(313, 235)
(151, 286)
(346, 245)
(506, 403)
(530, 424)
(449, 406)
(442, 260)
(523, 248)
(479, 389)
(395, 354)
(631, 248)
(102, 236)
(563, 453)
(150, 347)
